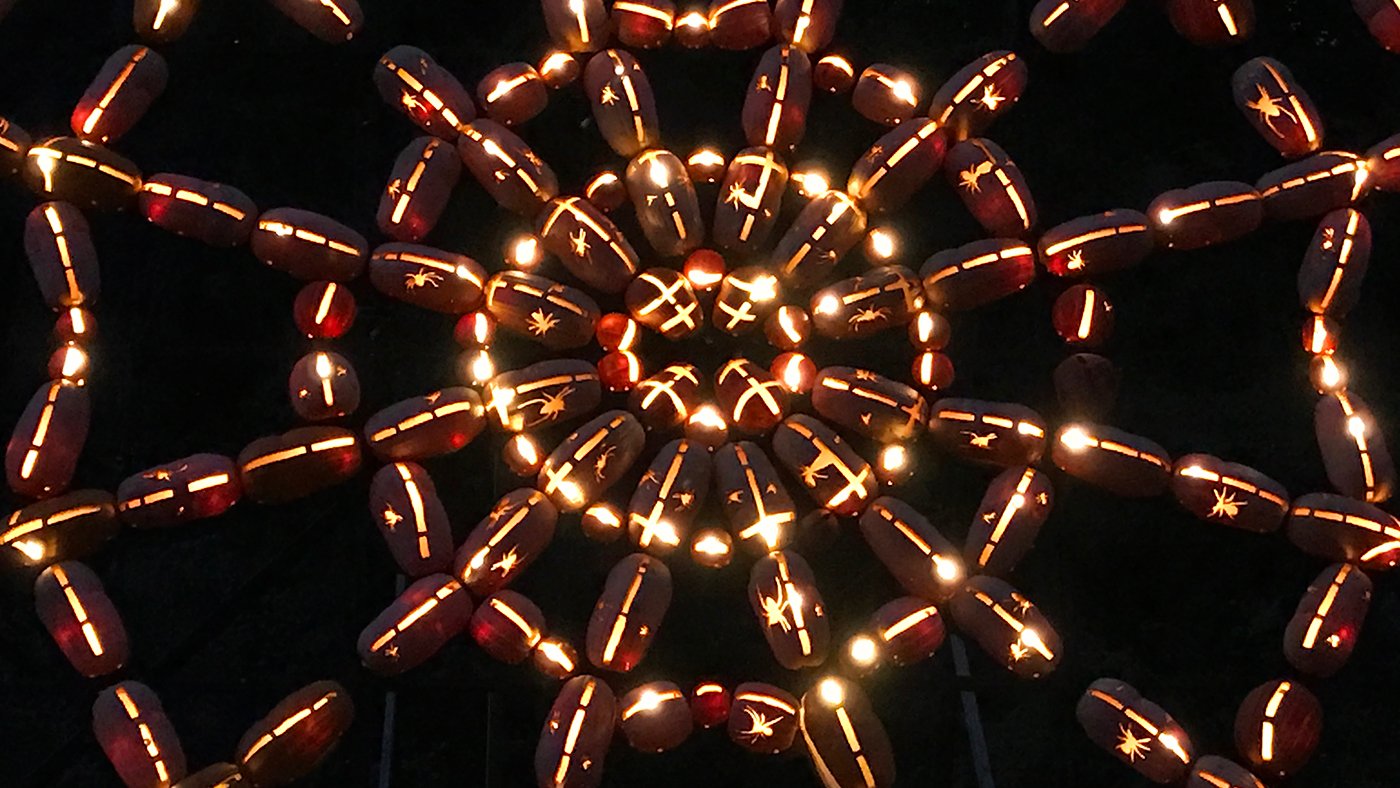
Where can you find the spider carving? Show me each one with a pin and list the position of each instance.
(1132, 746)
(421, 278)
(971, 177)
(507, 562)
(812, 474)
(1270, 109)
(868, 315)
(600, 465)
(551, 406)
(980, 441)
(775, 608)
(738, 195)
(1226, 505)
(391, 517)
(760, 727)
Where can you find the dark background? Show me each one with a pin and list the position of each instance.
(228, 616)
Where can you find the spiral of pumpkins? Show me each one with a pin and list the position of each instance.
(459, 589)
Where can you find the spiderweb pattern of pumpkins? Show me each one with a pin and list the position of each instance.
(734, 427)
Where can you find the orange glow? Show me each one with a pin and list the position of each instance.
(525, 252)
(166, 6)
(894, 457)
(811, 183)
(840, 64)
(863, 650)
(709, 416)
(832, 692)
(31, 549)
(882, 244)
(705, 158)
(75, 364)
(712, 542)
(605, 515)
(1076, 439)
(694, 20)
(480, 367)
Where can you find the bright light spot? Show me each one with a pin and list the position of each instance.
(864, 651)
(74, 361)
(1331, 374)
(601, 180)
(555, 653)
(764, 288)
(840, 63)
(32, 549)
(904, 91)
(828, 305)
(1356, 426)
(571, 492)
(75, 317)
(709, 416)
(666, 533)
(694, 19)
(924, 325)
(649, 701)
(166, 7)
(706, 157)
(832, 692)
(555, 62)
(481, 368)
(659, 173)
(1031, 639)
(526, 450)
(702, 278)
(811, 183)
(481, 328)
(894, 457)
(883, 244)
(479, 559)
(324, 368)
(793, 376)
(605, 515)
(1166, 216)
(1173, 744)
(946, 569)
(1076, 439)
(787, 324)
(525, 252)
(1363, 173)
(711, 544)
(46, 161)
